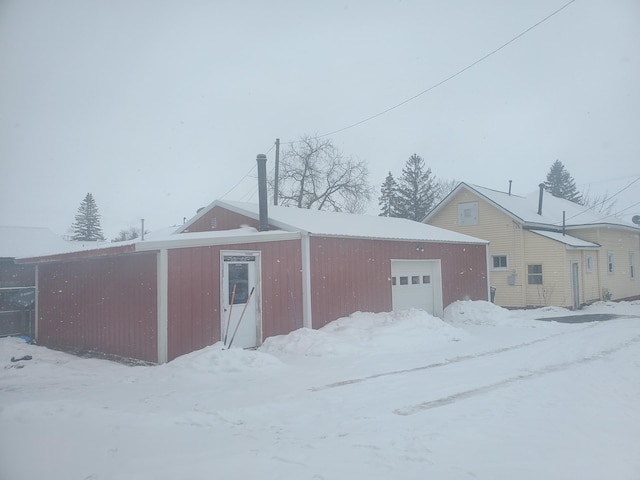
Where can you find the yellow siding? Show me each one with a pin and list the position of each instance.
(505, 237)
(621, 243)
(522, 248)
(556, 278)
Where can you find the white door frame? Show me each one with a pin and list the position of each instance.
(253, 308)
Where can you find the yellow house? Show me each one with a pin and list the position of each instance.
(545, 250)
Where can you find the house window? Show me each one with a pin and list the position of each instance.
(468, 213)
(534, 274)
(632, 265)
(426, 279)
(588, 263)
(610, 264)
(415, 280)
(404, 280)
(499, 262)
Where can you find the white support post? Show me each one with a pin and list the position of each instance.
(163, 315)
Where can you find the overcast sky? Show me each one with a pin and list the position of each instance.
(160, 107)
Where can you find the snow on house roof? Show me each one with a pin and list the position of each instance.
(525, 209)
(568, 240)
(341, 224)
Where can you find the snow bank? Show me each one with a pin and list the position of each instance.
(466, 312)
(362, 332)
(218, 360)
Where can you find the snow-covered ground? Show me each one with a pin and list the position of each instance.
(484, 394)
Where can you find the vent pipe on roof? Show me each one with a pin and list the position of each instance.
(510, 187)
(540, 198)
(262, 192)
(564, 222)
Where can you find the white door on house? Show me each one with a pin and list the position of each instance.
(575, 283)
(241, 324)
(416, 284)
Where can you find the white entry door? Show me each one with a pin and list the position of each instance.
(416, 284)
(240, 319)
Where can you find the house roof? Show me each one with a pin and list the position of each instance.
(341, 224)
(524, 209)
(568, 240)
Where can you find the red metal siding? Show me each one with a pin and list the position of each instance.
(224, 220)
(194, 293)
(106, 304)
(350, 275)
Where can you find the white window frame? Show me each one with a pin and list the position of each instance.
(467, 214)
(530, 275)
(493, 267)
(611, 263)
(588, 264)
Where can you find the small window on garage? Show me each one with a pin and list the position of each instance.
(415, 280)
(499, 262)
(468, 213)
(534, 274)
(393, 280)
(426, 279)
(404, 280)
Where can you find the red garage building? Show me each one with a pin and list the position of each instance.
(157, 299)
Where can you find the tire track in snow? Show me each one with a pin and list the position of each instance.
(440, 402)
(449, 361)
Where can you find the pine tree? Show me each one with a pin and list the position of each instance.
(87, 225)
(561, 184)
(416, 190)
(388, 199)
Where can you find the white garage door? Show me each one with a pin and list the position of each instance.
(416, 284)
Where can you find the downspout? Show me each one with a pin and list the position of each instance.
(36, 313)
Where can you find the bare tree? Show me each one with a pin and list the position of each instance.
(444, 188)
(314, 174)
(600, 203)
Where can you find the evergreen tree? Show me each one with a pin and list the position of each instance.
(388, 199)
(87, 225)
(561, 184)
(416, 190)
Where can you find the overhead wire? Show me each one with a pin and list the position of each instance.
(427, 90)
(587, 209)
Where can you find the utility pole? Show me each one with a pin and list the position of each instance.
(275, 183)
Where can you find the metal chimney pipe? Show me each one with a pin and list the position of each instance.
(540, 198)
(262, 192)
(509, 187)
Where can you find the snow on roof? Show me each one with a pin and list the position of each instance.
(196, 239)
(566, 239)
(32, 241)
(525, 208)
(340, 224)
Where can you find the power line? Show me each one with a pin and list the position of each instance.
(606, 200)
(450, 77)
(427, 90)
